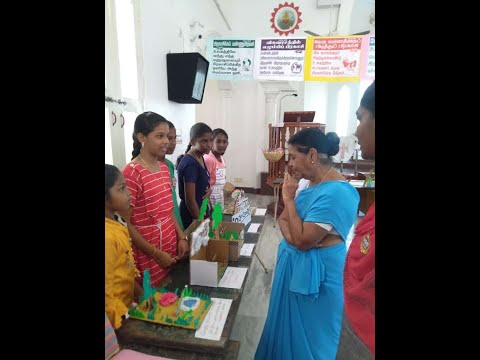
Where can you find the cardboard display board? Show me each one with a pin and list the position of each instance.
(209, 263)
(233, 246)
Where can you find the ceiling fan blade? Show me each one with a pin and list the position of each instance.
(314, 34)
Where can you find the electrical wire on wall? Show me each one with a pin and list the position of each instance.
(112, 100)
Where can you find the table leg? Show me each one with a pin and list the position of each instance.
(261, 263)
(275, 202)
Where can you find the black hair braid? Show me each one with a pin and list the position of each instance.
(137, 146)
(180, 157)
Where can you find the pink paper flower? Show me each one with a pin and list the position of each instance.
(168, 298)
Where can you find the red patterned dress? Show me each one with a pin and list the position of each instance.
(152, 205)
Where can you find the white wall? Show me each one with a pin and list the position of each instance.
(316, 99)
(242, 121)
(323, 97)
(161, 23)
(252, 17)
(354, 15)
(238, 107)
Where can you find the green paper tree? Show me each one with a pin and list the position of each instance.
(186, 314)
(136, 312)
(181, 322)
(203, 209)
(147, 289)
(217, 215)
(151, 315)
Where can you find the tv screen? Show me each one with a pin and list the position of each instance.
(186, 76)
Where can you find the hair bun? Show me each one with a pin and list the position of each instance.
(333, 142)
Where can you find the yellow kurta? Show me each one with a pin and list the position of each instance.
(119, 271)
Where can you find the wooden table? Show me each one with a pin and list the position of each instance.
(180, 343)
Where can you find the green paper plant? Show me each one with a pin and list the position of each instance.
(203, 209)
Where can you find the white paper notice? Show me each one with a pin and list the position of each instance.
(247, 249)
(279, 59)
(233, 277)
(212, 325)
(253, 227)
(260, 212)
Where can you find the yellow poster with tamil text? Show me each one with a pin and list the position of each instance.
(333, 58)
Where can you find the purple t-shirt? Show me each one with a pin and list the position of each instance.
(189, 170)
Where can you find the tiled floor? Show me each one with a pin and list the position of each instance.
(253, 309)
(251, 315)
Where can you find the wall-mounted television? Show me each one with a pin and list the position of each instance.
(186, 77)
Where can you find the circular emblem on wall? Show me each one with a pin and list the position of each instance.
(285, 18)
(296, 67)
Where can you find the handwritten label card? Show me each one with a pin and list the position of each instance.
(243, 215)
(212, 325)
(253, 227)
(247, 249)
(260, 212)
(233, 277)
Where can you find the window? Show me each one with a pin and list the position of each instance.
(121, 80)
(128, 132)
(108, 141)
(363, 86)
(343, 111)
(126, 48)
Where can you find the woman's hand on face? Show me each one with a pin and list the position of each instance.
(290, 185)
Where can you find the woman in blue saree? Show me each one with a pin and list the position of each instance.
(306, 302)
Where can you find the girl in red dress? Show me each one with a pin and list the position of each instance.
(158, 240)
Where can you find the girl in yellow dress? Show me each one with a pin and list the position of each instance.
(120, 271)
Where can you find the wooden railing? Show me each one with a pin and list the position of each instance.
(278, 138)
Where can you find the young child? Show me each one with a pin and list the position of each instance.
(120, 271)
(216, 166)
